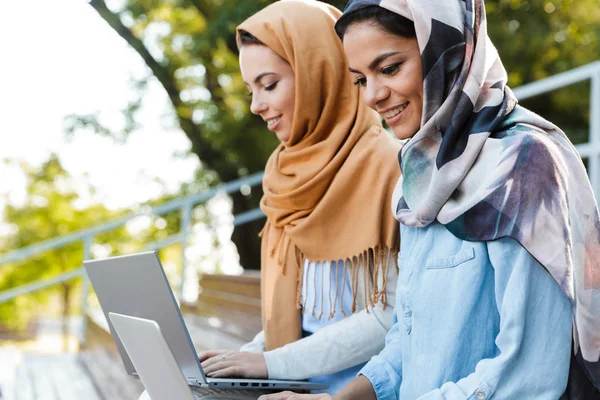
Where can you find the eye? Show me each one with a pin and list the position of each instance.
(362, 81)
(391, 69)
(271, 86)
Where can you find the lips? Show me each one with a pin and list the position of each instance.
(272, 121)
(394, 111)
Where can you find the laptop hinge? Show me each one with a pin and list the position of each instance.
(194, 382)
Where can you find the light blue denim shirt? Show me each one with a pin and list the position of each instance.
(473, 320)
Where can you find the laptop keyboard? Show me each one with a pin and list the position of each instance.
(205, 393)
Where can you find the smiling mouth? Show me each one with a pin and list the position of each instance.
(272, 121)
(395, 111)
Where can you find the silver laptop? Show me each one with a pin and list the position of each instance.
(157, 367)
(136, 285)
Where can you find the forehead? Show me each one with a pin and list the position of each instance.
(256, 59)
(363, 41)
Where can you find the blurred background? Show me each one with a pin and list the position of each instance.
(125, 126)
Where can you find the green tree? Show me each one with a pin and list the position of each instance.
(540, 38)
(49, 210)
(196, 64)
(189, 47)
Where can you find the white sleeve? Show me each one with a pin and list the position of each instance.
(257, 345)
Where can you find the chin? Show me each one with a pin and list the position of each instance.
(283, 137)
(403, 132)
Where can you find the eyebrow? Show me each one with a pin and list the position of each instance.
(378, 60)
(259, 77)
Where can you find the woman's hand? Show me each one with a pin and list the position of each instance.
(295, 396)
(234, 364)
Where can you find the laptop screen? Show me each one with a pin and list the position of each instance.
(136, 285)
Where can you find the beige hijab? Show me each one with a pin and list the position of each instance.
(327, 190)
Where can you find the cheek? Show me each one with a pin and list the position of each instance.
(418, 82)
(418, 95)
(288, 97)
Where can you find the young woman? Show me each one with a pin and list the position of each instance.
(330, 240)
(499, 259)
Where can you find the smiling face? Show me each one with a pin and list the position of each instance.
(271, 82)
(388, 67)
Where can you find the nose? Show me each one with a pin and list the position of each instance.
(374, 93)
(257, 106)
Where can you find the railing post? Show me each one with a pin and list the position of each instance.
(594, 161)
(85, 289)
(186, 222)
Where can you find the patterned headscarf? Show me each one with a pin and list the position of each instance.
(487, 168)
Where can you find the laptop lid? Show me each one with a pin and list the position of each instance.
(136, 285)
(152, 357)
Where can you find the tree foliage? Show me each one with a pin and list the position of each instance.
(50, 209)
(540, 38)
(189, 48)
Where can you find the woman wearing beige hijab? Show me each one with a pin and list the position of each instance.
(330, 241)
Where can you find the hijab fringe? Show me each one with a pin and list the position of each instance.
(299, 278)
(337, 290)
(354, 284)
(375, 263)
(367, 284)
(343, 288)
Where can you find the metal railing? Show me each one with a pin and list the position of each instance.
(185, 205)
(589, 150)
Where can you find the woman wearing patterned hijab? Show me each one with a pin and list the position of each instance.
(499, 288)
(329, 244)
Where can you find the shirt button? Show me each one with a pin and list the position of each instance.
(480, 395)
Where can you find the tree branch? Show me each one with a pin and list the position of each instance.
(207, 153)
(201, 7)
(161, 72)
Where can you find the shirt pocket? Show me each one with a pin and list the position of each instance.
(450, 261)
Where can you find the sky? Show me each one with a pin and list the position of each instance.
(60, 58)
